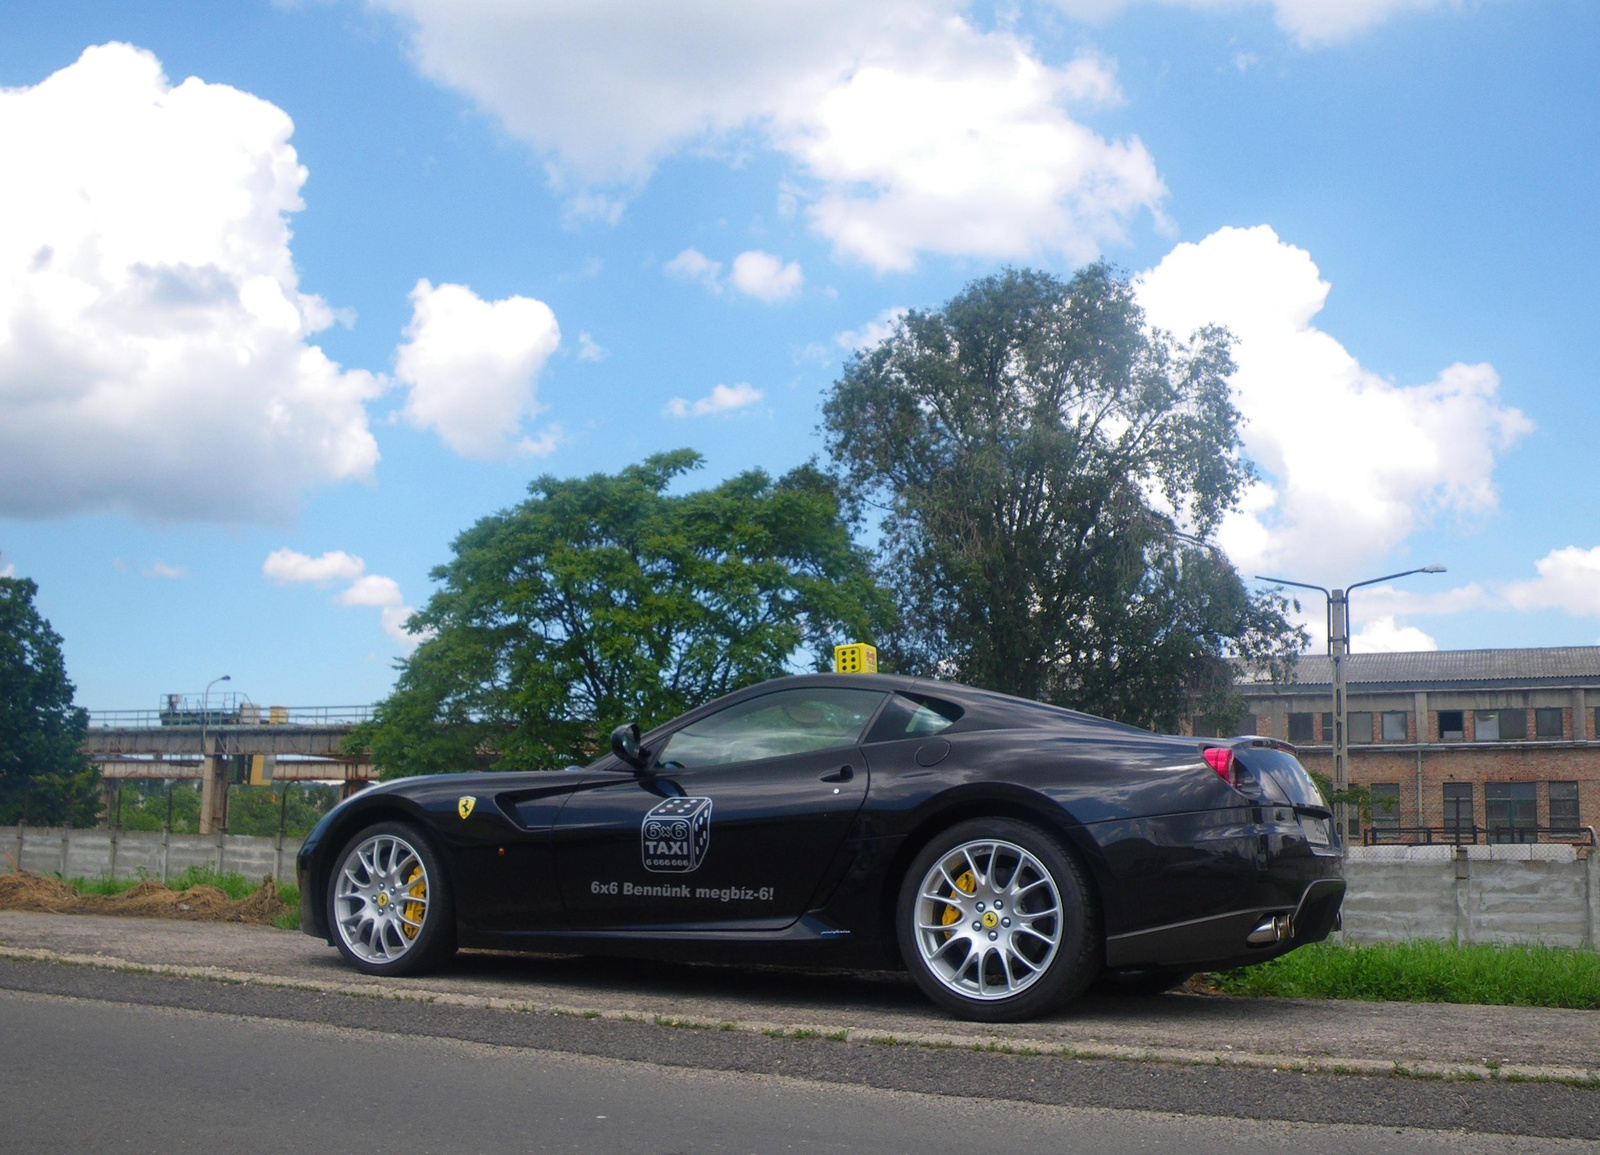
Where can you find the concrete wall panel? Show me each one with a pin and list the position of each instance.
(1528, 902)
(1397, 900)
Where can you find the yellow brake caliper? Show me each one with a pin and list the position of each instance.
(413, 911)
(966, 884)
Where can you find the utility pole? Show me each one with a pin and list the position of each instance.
(1338, 649)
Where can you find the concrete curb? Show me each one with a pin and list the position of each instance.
(1010, 1044)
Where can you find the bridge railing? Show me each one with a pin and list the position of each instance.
(239, 716)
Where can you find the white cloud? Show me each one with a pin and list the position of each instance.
(149, 307)
(372, 590)
(721, 399)
(965, 149)
(9, 570)
(693, 265)
(1383, 636)
(607, 88)
(911, 129)
(1354, 464)
(765, 277)
(286, 566)
(873, 333)
(161, 569)
(591, 350)
(1569, 579)
(1311, 22)
(471, 365)
(394, 619)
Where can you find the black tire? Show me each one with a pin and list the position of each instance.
(432, 944)
(1060, 976)
(1140, 983)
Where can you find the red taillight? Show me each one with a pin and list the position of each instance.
(1220, 759)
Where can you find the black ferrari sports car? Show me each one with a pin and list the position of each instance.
(1009, 854)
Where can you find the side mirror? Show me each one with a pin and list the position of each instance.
(625, 745)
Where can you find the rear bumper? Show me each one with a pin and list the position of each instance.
(1221, 941)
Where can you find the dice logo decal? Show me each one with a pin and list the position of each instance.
(675, 834)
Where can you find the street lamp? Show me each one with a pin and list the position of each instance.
(1338, 606)
(205, 708)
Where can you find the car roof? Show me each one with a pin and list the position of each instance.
(987, 708)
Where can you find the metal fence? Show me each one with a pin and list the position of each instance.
(1473, 835)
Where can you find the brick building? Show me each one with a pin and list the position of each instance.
(1504, 743)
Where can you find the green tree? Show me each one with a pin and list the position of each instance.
(42, 765)
(1033, 447)
(606, 599)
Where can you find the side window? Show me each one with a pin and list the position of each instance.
(771, 726)
(908, 717)
(1386, 808)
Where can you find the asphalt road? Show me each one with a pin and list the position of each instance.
(101, 1059)
(88, 1075)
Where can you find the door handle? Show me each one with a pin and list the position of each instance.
(844, 774)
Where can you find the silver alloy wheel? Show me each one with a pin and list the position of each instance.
(381, 900)
(988, 919)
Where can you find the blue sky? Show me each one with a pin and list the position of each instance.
(271, 337)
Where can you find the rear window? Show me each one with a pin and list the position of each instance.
(908, 716)
(1282, 777)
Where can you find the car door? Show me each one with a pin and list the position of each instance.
(732, 826)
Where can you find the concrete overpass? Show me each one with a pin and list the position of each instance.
(284, 744)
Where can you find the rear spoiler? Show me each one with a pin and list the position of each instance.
(1255, 740)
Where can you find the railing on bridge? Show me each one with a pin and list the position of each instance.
(1472, 835)
(242, 714)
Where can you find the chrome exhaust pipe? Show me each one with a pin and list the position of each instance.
(1271, 930)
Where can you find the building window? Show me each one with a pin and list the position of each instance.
(1511, 812)
(1204, 728)
(1249, 725)
(1327, 727)
(1300, 728)
(1547, 724)
(1458, 809)
(1394, 726)
(1499, 725)
(1452, 725)
(1386, 809)
(1564, 809)
(1360, 728)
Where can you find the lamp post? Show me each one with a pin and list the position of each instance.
(208, 784)
(1338, 608)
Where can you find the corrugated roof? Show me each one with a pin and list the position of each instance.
(1433, 667)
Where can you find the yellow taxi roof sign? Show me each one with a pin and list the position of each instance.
(857, 658)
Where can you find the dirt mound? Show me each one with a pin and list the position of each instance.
(25, 890)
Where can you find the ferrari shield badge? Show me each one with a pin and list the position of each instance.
(465, 804)
(675, 835)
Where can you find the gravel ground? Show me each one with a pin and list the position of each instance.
(1433, 1038)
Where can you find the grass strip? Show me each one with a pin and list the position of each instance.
(1424, 971)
